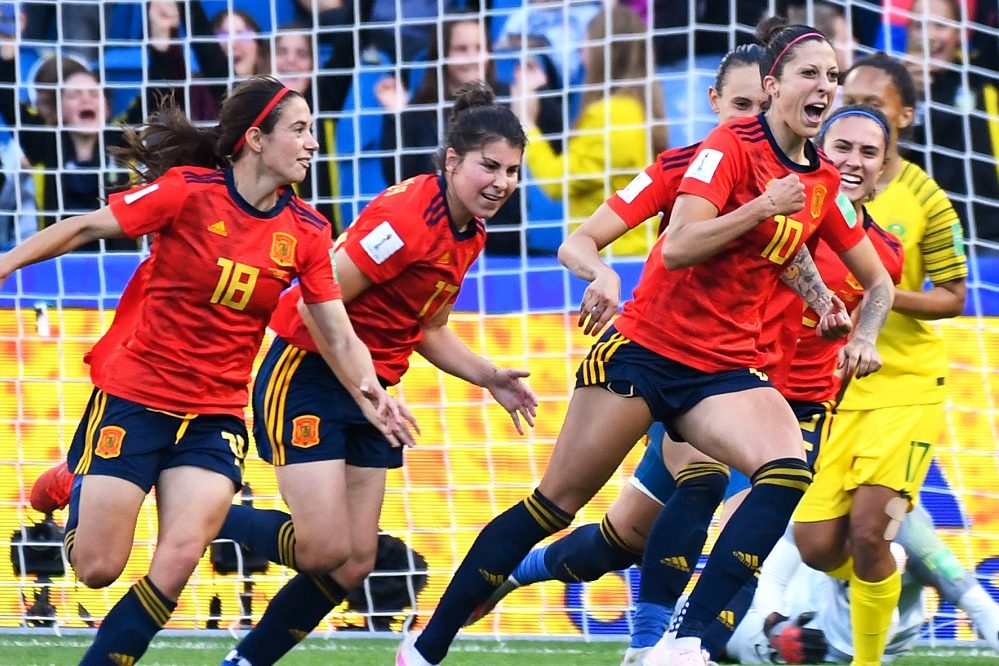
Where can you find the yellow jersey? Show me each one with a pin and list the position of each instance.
(914, 208)
(610, 143)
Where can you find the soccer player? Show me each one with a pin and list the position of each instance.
(881, 445)
(800, 615)
(167, 407)
(684, 351)
(618, 541)
(400, 267)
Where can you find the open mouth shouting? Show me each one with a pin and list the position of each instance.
(814, 113)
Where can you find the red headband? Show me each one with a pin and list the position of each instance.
(260, 117)
(790, 44)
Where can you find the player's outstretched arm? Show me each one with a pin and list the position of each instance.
(446, 351)
(803, 278)
(580, 254)
(859, 357)
(350, 361)
(59, 239)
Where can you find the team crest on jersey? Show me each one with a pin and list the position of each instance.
(305, 431)
(818, 199)
(283, 248)
(109, 441)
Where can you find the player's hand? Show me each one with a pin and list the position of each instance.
(600, 301)
(516, 397)
(859, 357)
(785, 195)
(793, 641)
(392, 418)
(835, 322)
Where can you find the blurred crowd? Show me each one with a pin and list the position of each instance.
(597, 101)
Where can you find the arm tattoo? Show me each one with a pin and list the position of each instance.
(873, 312)
(803, 278)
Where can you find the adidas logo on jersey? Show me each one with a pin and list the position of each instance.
(298, 634)
(218, 228)
(121, 659)
(445, 258)
(727, 618)
(752, 562)
(493, 579)
(678, 562)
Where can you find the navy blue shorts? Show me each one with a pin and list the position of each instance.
(815, 419)
(302, 413)
(121, 438)
(670, 389)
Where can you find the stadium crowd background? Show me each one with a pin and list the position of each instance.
(378, 76)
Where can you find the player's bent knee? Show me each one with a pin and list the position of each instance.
(321, 558)
(354, 571)
(97, 571)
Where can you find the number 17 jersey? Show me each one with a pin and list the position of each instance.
(709, 316)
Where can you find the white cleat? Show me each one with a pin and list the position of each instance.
(407, 655)
(662, 654)
(635, 656)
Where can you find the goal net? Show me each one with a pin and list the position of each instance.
(516, 307)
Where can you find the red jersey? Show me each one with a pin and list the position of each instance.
(407, 244)
(708, 316)
(811, 372)
(653, 191)
(212, 280)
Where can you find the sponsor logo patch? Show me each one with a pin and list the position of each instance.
(704, 165)
(132, 197)
(635, 187)
(382, 242)
(218, 228)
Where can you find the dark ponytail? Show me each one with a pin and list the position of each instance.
(476, 120)
(169, 139)
(744, 54)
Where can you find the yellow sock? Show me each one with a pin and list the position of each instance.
(871, 607)
(843, 571)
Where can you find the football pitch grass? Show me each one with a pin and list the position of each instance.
(28, 649)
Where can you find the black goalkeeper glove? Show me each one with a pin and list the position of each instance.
(795, 643)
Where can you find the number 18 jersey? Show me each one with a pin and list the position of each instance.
(216, 271)
(708, 316)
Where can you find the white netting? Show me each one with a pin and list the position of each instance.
(515, 307)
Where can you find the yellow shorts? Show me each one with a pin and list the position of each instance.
(890, 447)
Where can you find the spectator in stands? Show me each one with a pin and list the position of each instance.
(557, 28)
(67, 141)
(692, 36)
(17, 192)
(415, 136)
(830, 19)
(417, 26)
(75, 26)
(241, 42)
(293, 64)
(960, 157)
(620, 126)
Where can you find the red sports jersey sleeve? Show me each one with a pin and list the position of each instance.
(148, 208)
(840, 227)
(654, 190)
(716, 167)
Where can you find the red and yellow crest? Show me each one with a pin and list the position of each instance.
(305, 431)
(818, 198)
(283, 248)
(109, 441)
